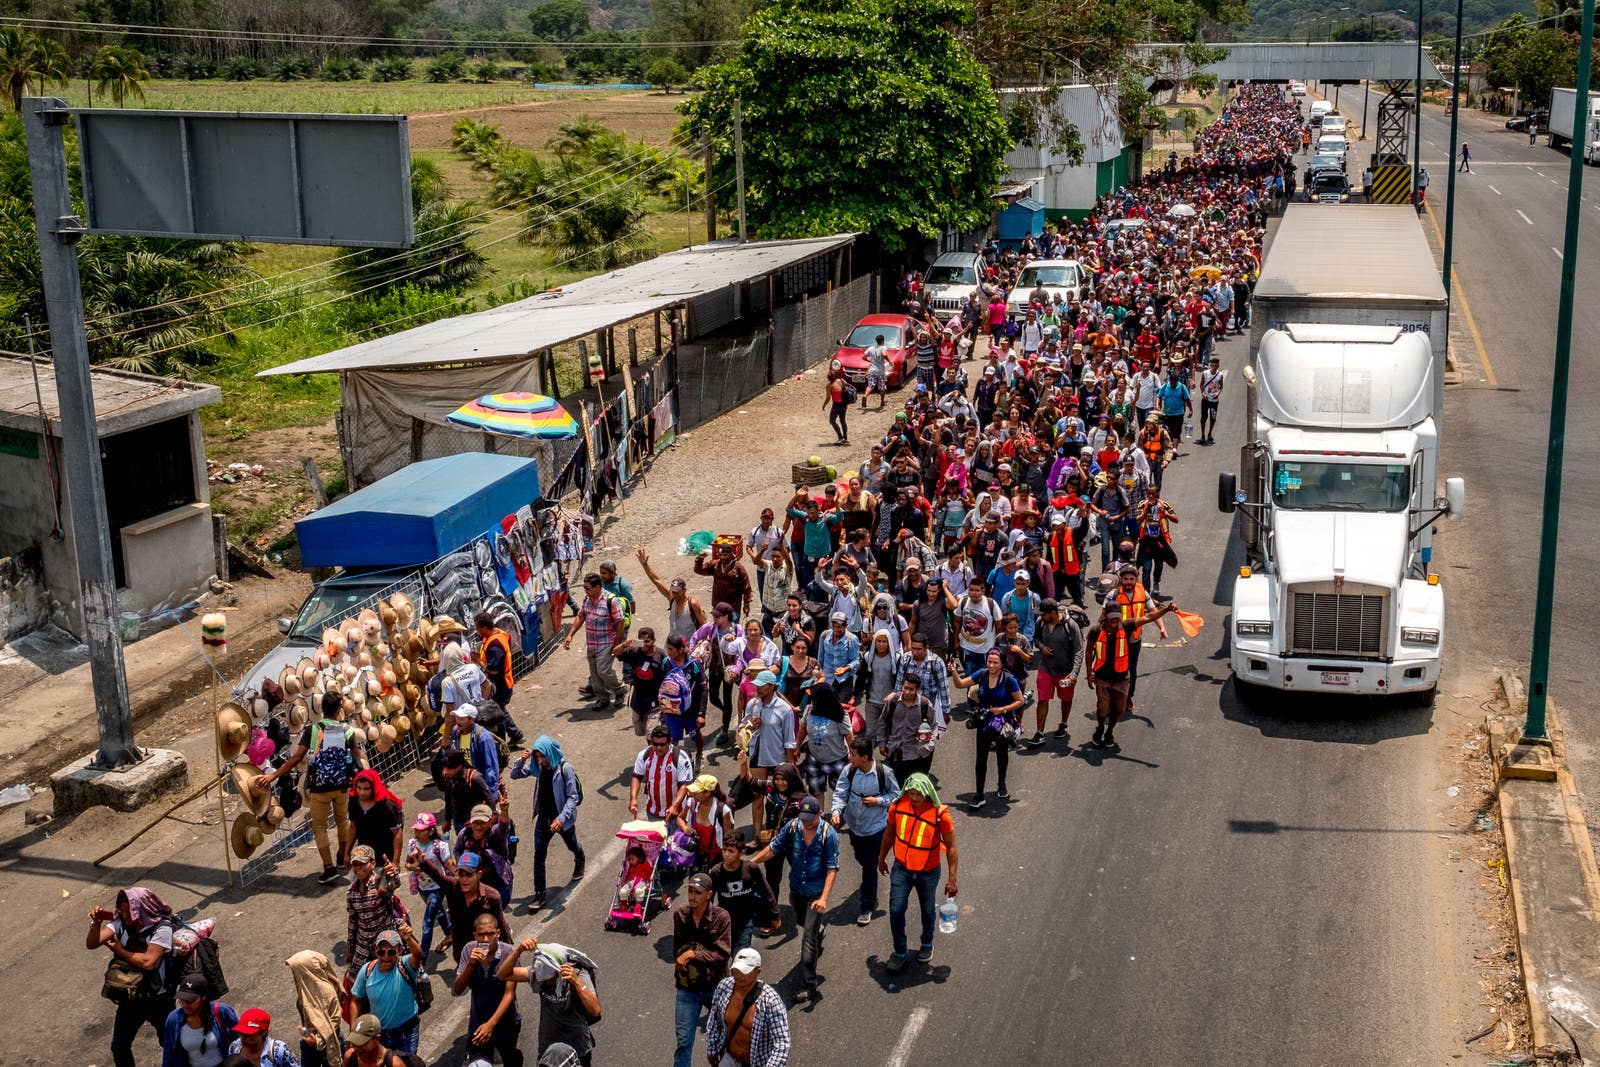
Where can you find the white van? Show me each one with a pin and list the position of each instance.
(1334, 124)
(1321, 109)
(1332, 145)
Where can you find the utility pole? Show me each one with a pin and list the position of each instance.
(1450, 187)
(1416, 133)
(738, 160)
(1550, 523)
(59, 232)
(711, 201)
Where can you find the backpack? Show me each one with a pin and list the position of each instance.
(331, 768)
(848, 394)
(577, 786)
(419, 981)
(883, 780)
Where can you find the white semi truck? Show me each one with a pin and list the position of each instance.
(1338, 493)
(1563, 104)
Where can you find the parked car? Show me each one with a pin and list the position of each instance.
(898, 333)
(1060, 277)
(1541, 116)
(952, 278)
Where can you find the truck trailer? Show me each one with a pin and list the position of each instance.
(1563, 105)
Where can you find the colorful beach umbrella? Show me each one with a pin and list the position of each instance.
(516, 415)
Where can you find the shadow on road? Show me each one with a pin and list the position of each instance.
(1314, 717)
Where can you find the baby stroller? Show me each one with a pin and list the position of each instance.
(639, 881)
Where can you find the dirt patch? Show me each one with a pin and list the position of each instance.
(263, 500)
(1504, 1027)
(643, 116)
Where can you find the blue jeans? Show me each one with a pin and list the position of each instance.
(865, 849)
(686, 1022)
(403, 1038)
(901, 882)
(972, 662)
(433, 908)
(541, 849)
(743, 932)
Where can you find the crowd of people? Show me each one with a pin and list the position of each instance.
(1007, 535)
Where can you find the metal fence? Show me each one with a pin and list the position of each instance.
(807, 332)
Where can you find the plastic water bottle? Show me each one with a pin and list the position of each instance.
(948, 911)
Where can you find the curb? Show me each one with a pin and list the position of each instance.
(1514, 695)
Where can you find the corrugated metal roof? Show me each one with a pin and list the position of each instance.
(1354, 251)
(1351, 61)
(122, 400)
(1027, 203)
(515, 330)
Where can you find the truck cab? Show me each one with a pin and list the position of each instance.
(1338, 492)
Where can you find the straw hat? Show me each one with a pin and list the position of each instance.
(298, 713)
(246, 836)
(389, 616)
(273, 819)
(289, 682)
(402, 724)
(371, 625)
(427, 634)
(403, 608)
(413, 694)
(307, 670)
(233, 731)
(444, 625)
(387, 736)
(247, 780)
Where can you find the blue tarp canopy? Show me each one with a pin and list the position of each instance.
(418, 513)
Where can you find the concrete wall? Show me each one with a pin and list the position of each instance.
(1063, 185)
(168, 558)
(24, 601)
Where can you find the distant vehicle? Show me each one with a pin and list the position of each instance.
(1297, 88)
(1329, 161)
(1561, 128)
(1541, 116)
(1060, 277)
(1328, 187)
(1332, 144)
(898, 332)
(953, 277)
(1320, 109)
(1334, 124)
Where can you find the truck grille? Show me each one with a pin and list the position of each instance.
(1338, 623)
(947, 303)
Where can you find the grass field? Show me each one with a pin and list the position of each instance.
(320, 97)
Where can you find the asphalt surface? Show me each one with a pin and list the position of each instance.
(1510, 219)
(1274, 885)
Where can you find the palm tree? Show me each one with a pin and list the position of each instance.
(119, 71)
(28, 61)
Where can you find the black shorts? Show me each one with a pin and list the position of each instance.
(1208, 408)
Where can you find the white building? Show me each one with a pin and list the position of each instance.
(1110, 159)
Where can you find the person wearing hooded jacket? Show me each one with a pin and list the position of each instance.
(138, 932)
(569, 1002)
(555, 807)
(198, 1031)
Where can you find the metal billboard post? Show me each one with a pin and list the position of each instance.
(1550, 521)
(59, 233)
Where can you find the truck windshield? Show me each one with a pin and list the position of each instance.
(328, 604)
(1035, 276)
(951, 274)
(1341, 486)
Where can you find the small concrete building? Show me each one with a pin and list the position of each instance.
(158, 501)
(1110, 159)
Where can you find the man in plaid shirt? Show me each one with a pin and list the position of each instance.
(748, 1022)
(601, 616)
(933, 678)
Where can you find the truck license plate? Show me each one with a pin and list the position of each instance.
(1335, 678)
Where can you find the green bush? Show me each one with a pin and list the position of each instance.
(341, 69)
(391, 69)
(243, 69)
(447, 67)
(291, 68)
(543, 72)
(196, 68)
(485, 71)
(666, 73)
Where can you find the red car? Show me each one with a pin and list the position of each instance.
(899, 343)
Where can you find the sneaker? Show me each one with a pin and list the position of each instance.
(925, 953)
(587, 692)
(1003, 793)
(865, 917)
(1099, 736)
(897, 963)
(536, 902)
(976, 803)
(1037, 739)
(330, 875)
(1110, 742)
(1061, 731)
(577, 873)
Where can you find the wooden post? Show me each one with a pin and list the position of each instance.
(219, 542)
(711, 203)
(655, 319)
(314, 479)
(633, 347)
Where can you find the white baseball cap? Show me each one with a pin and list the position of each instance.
(746, 961)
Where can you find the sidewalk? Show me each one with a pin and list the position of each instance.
(49, 696)
(1555, 889)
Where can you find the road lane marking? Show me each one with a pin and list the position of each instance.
(1557, 251)
(1495, 191)
(1524, 217)
(1466, 310)
(901, 1055)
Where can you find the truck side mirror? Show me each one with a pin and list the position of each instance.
(1455, 497)
(1227, 488)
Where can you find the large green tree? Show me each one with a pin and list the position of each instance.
(559, 20)
(865, 115)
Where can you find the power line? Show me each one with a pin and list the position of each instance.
(200, 33)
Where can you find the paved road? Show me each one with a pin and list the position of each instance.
(1509, 222)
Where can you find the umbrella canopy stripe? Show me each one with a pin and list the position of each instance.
(516, 415)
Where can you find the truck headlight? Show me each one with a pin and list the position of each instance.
(1252, 628)
(1418, 635)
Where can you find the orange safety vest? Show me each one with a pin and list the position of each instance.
(1152, 449)
(1132, 609)
(1155, 525)
(917, 841)
(497, 637)
(1064, 551)
(1119, 658)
